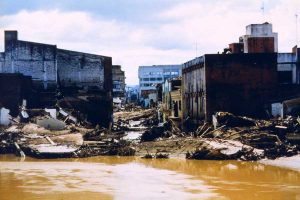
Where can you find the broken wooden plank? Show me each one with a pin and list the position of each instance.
(207, 130)
(200, 128)
(19, 150)
(50, 141)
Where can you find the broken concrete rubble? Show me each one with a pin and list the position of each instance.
(47, 137)
(249, 139)
(217, 149)
(271, 137)
(230, 120)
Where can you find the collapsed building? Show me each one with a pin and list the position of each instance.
(49, 77)
(249, 78)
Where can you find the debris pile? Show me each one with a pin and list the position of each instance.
(162, 130)
(232, 137)
(217, 149)
(136, 120)
(48, 135)
(272, 136)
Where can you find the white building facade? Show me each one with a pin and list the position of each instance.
(150, 76)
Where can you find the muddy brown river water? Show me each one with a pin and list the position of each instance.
(135, 178)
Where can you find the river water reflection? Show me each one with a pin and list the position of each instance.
(136, 178)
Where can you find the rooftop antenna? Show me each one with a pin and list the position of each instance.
(263, 9)
(296, 16)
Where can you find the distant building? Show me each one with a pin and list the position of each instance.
(172, 98)
(118, 77)
(76, 74)
(132, 93)
(150, 76)
(288, 67)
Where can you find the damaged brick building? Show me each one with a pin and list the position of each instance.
(245, 79)
(78, 82)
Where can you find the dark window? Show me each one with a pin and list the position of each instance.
(179, 105)
(285, 77)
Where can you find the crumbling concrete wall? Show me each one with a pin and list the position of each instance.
(80, 69)
(30, 59)
(87, 78)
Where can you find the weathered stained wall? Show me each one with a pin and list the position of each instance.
(80, 69)
(30, 59)
(238, 83)
(260, 45)
(51, 68)
(241, 84)
(194, 89)
(93, 73)
(236, 47)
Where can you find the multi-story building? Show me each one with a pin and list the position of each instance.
(118, 77)
(150, 76)
(244, 80)
(237, 83)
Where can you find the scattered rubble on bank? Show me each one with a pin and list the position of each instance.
(48, 136)
(135, 119)
(229, 137)
(44, 135)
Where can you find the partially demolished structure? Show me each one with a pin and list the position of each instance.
(49, 77)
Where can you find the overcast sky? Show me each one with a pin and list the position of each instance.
(146, 32)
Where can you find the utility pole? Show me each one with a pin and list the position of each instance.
(296, 16)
